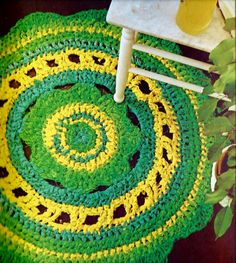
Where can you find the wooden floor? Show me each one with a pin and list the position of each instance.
(201, 246)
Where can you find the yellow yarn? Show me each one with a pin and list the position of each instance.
(105, 213)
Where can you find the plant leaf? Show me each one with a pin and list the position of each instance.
(208, 90)
(226, 80)
(215, 150)
(232, 117)
(212, 68)
(229, 90)
(215, 197)
(207, 109)
(224, 53)
(230, 24)
(231, 162)
(232, 137)
(228, 104)
(232, 157)
(226, 180)
(223, 221)
(229, 78)
(220, 69)
(217, 125)
(232, 152)
(219, 85)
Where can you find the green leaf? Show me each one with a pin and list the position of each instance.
(233, 202)
(232, 117)
(215, 150)
(223, 221)
(208, 90)
(230, 24)
(212, 68)
(229, 90)
(219, 85)
(226, 80)
(207, 109)
(231, 157)
(229, 78)
(226, 180)
(232, 137)
(217, 125)
(231, 162)
(228, 104)
(215, 197)
(224, 53)
(232, 151)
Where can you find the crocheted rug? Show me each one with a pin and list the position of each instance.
(83, 178)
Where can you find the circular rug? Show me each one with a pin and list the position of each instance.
(83, 178)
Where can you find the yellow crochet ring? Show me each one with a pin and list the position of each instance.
(128, 200)
(51, 129)
(84, 179)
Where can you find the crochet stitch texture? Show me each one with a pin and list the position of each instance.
(82, 178)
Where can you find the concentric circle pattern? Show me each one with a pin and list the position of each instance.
(82, 178)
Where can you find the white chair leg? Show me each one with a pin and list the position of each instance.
(127, 41)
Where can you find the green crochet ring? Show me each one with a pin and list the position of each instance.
(82, 178)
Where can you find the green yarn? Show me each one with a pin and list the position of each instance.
(50, 169)
(144, 178)
(81, 137)
(66, 195)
